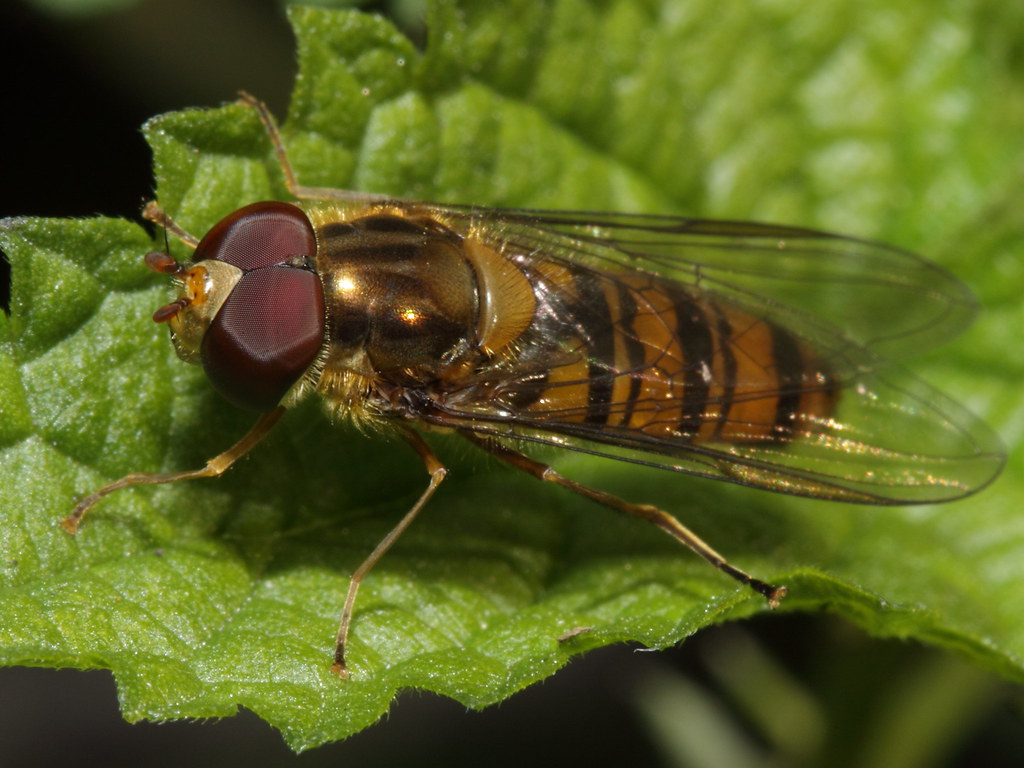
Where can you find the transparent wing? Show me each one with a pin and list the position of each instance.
(892, 439)
(877, 296)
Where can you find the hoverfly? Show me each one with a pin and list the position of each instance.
(743, 352)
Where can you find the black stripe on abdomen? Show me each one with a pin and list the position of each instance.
(634, 348)
(694, 336)
(725, 349)
(595, 325)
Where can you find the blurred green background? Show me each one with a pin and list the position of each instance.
(779, 690)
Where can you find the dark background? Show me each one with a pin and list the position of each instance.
(76, 91)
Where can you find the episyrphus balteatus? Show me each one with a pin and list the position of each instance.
(743, 352)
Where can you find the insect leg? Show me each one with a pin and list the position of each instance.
(215, 467)
(658, 517)
(291, 181)
(153, 212)
(437, 473)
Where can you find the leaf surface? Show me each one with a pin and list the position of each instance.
(901, 124)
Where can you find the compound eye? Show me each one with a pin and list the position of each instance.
(259, 235)
(265, 336)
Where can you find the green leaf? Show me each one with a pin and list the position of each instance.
(902, 123)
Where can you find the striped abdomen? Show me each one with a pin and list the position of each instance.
(651, 355)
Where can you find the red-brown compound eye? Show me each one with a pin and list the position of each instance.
(259, 235)
(265, 336)
(271, 327)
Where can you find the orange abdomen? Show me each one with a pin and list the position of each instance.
(653, 356)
